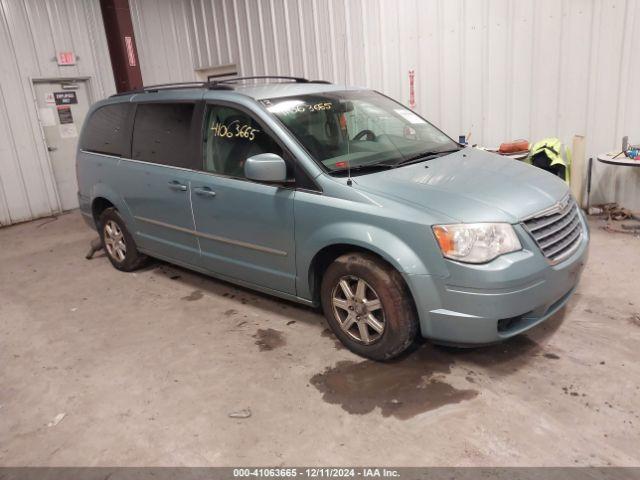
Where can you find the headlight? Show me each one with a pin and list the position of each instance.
(476, 242)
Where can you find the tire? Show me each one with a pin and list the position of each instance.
(115, 235)
(394, 311)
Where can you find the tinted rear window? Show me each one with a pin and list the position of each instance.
(161, 133)
(106, 131)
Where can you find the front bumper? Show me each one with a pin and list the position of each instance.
(481, 304)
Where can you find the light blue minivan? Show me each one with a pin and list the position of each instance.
(335, 197)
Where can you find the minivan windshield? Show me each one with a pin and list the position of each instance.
(359, 130)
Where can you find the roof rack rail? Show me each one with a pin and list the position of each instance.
(171, 86)
(256, 77)
(212, 84)
(163, 86)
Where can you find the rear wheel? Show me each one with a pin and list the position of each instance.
(368, 306)
(118, 242)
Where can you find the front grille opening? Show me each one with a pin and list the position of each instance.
(557, 233)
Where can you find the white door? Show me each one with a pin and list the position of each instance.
(62, 107)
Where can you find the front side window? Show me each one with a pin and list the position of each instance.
(107, 132)
(162, 132)
(358, 129)
(230, 137)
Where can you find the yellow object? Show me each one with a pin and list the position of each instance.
(556, 152)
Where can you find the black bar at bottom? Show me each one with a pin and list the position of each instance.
(234, 473)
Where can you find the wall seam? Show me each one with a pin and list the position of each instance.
(215, 31)
(276, 47)
(623, 80)
(263, 48)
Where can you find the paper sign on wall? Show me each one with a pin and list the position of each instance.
(47, 116)
(68, 131)
(65, 98)
(65, 115)
(49, 99)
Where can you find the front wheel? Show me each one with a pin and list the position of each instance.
(368, 306)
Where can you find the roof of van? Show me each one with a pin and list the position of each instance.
(261, 91)
(258, 90)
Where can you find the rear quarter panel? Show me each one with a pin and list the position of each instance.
(98, 177)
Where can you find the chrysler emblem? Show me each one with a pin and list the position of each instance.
(562, 204)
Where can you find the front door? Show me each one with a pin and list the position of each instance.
(62, 107)
(245, 228)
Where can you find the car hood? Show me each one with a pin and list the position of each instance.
(469, 186)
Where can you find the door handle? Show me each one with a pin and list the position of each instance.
(52, 149)
(175, 185)
(204, 192)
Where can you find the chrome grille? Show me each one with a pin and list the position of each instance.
(557, 230)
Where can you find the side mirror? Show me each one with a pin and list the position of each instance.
(266, 167)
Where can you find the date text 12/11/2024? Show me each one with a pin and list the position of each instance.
(324, 472)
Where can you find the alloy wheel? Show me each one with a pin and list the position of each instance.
(358, 310)
(114, 241)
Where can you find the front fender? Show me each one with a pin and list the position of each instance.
(379, 241)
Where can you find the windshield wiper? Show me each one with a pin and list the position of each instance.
(424, 156)
(366, 168)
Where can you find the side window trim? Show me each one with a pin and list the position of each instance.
(288, 156)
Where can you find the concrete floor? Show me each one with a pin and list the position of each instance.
(147, 367)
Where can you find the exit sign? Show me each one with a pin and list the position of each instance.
(66, 58)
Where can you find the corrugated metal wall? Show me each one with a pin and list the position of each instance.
(31, 32)
(500, 69)
(163, 40)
